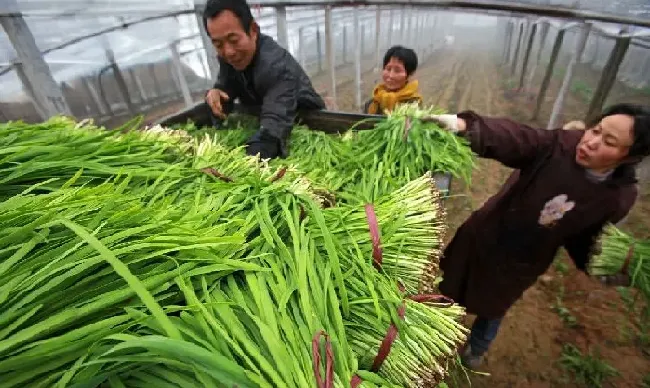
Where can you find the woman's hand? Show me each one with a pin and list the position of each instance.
(451, 123)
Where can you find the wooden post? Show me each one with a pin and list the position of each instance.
(102, 92)
(45, 91)
(594, 58)
(210, 52)
(566, 83)
(363, 40)
(320, 50)
(204, 64)
(540, 50)
(158, 92)
(506, 39)
(121, 83)
(329, 50)
(608, 77)
(378, 39)
(180, 76)
(301, 47)
(402, 24)
(138, 84)
(513, 42)
(643, 70)
(516, 56)
(29, 90)
(281, 25)
(345, 45)
(92, 96)
(357, 57)
(549, 73)
(391, 20)
(78, 110)
(409, 27)
(531, 41)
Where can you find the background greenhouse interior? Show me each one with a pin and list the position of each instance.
(544, 63)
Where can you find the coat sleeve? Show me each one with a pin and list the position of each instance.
(279, 106)
(580, 246)
(513, 144)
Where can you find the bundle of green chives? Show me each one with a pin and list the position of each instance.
(428, 336)
(622, 253)
(73, 260)
(265, 208)
(411, 228)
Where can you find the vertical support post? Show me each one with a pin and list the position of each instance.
(121, 83)
(357, 57)
(378, 39)
(516, 56)
(301, 47)
(409, 27)
(92, 94)
(540, 50)
(391, 20)
(566, 83)
(29, 90)
(549, 72)
(608, 77)
(345, 45)
(643, 70)
(200, 56)
(363, 40)
(158, 93)
(524, 67)
(182, 81)
(210, 52)
(44, 89)
(319, 47)
(506, 40)
(138, 84)
(281, 25)
(402, 24)
(594, 58)
(329, 50)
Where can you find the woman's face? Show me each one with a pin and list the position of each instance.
(394, 75)
(606, 145)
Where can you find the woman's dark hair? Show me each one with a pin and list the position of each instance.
(239, 7)
(640, 129)
(405, 55)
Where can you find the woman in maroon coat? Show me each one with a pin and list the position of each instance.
(565, 187)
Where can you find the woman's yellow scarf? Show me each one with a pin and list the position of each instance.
(385, 100)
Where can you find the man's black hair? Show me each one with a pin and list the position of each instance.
(640, 129)
(405, 55)
(239, 7)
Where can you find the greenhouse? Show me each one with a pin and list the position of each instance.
(143, 243)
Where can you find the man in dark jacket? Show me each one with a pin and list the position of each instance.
(255, 69)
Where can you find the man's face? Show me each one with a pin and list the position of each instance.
(233, 44)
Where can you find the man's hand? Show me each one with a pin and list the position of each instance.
(214, 98)
(449, 122)
(266, 149)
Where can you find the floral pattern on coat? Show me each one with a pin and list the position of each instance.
(555, 209)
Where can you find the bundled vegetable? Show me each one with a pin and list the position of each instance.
(75, 261)
(621, 253)
(199, 266)
(400, 234)
(361, 166)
